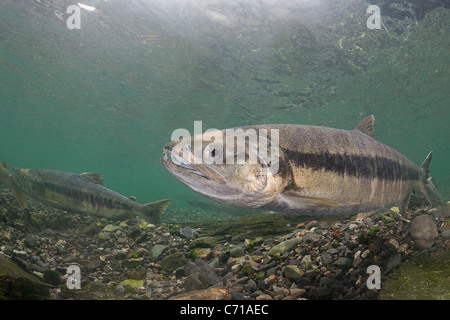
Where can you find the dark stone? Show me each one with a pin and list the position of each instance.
(70, 259)
(202, 268)
(195, 282)
(52, 277)
(30, 242)
(343, 263)
(94, 265)
(188, 233)
(120, 255)
(393, 263)
(173, 261)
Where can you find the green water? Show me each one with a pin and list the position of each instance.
(106, 98)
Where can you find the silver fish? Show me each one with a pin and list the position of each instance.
(82, 193)
(321, 171)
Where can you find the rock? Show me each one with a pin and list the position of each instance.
(132, 284)
(132, 263)
(237, 252)
(446, 234)
(423, 228)
(326, 259)
(292, 272)
(215, 263)
(203, 242)
(250, 243)
(343, 263)
(52, 277)
(280, 291)
(442, 212)
(120, 255)
(206, 294)
(283, 247)
(424, 231)
(157, 251)
(90, 230)
(70, 258)
(188, 233)
(250, 287)
(423, 244)
(393, 263)
(307, 262)
(91, 266)
(311, 224)
(30, 242)
(173, 261)
(202, 268)
(297, 292)
(392, 245)
(195, 282)
(110, 228)
(202, 253)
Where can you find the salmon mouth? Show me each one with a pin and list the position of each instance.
(168, 161)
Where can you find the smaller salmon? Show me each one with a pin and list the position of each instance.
(82, 193)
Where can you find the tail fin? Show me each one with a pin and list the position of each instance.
(429, 190)
(4, 174)
(153, 211)
(5, 178)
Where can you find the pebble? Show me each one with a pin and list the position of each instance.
(424, 231)
(314, 261)
(156, 251)
(283, 247)
(203, 242)
(292, 272)
(237, 252)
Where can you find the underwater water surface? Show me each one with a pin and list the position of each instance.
(106, 97)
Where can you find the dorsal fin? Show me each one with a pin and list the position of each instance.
(367, 126)
(132, 198)
(94, 177)
(426, 163)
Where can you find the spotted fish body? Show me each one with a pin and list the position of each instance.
(322, 171)
(335, 171)
(78, 193)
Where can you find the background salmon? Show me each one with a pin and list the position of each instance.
(79, 193)
(321, 171)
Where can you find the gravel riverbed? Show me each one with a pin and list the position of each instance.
(309, 258)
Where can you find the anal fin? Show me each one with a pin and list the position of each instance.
(299, 202)
(326, 202)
